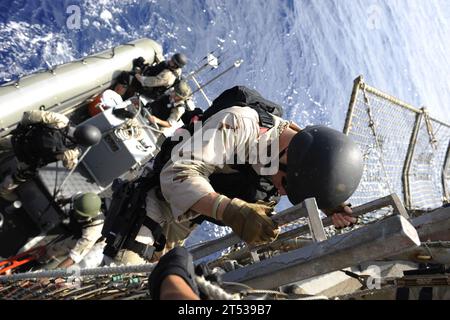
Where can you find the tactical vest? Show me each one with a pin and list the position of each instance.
(38, 145)
(246, 184)
(161, 108)
(241, 96)
(153, 71)
(127, 212)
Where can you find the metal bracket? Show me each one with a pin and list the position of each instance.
(314, 221)
(408, 160)
(254, 255)
(148, 253)
(429, 126)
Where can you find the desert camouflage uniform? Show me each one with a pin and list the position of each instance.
(78, 248)
(165, 78)
(185, 181)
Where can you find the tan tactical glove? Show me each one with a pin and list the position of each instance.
(250, 221)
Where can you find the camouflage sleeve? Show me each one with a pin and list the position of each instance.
(185, 179)
(52, 119)
(70, 158)
(175, 115)
(89, 237)
(165, 79)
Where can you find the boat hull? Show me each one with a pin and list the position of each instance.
(65, 87)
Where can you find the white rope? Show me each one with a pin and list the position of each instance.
(265, 292)
(127, 133)
(213, 291)
(75, 272)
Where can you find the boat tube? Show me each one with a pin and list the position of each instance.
(64, 87)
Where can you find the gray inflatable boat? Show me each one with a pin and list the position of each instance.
(68, 89)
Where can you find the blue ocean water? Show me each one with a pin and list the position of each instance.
(303, 54)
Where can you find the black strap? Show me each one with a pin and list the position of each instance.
(154, 227)
(176, 76)
(157, 232)
(402, 294)
(158, 235)
(139, 248)
(265, 118)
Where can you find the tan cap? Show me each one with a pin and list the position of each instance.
(183, 90)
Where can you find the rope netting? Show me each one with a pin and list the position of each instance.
(425, 175)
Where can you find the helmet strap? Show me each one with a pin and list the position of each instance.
(70, 132)
(69, 135)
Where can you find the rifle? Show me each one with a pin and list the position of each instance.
(126, 214)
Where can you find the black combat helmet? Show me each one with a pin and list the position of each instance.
(87, 135)
(325, 164)
(179, 59)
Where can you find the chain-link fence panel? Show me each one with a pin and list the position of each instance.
(404, 150)
(425, 173)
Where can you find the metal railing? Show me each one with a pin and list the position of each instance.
(405, 150)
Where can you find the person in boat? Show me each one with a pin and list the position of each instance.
(152, 81)
(43, 137)
(85, 226)
(167, 111)
(215, 175)
(105, 100)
